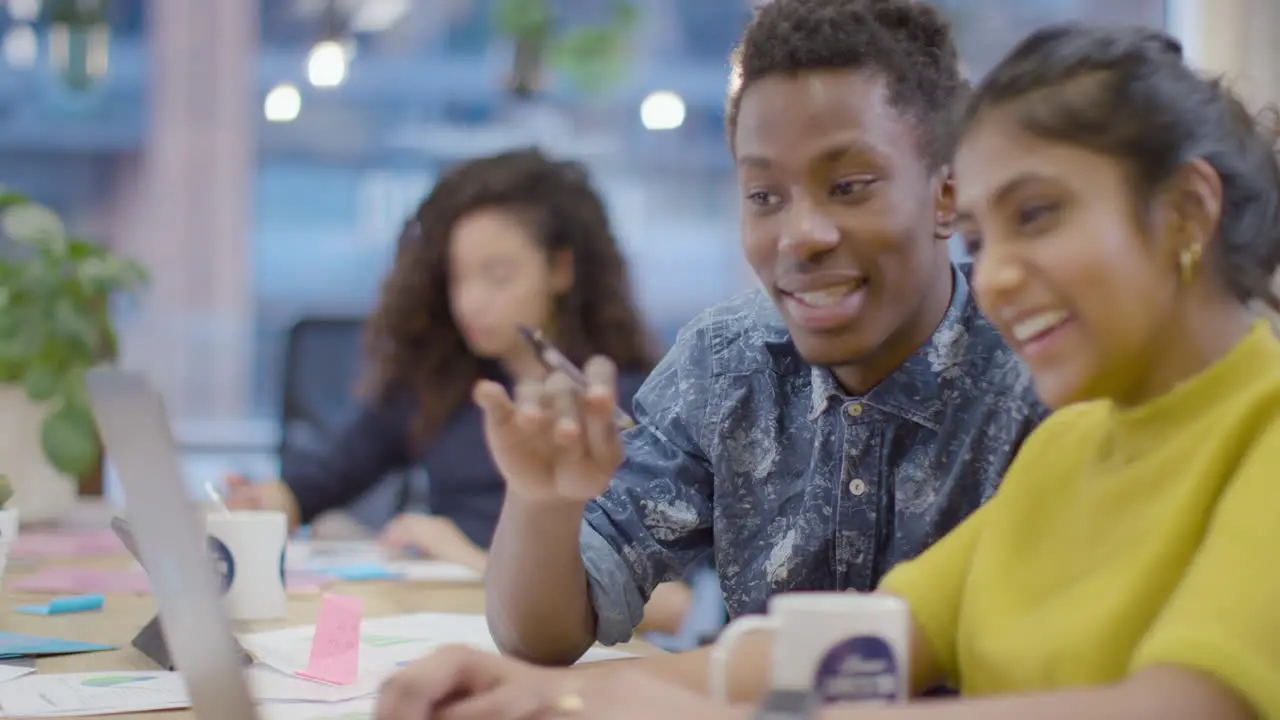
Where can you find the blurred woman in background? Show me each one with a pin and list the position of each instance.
(503, 241)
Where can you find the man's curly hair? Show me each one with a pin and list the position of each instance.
(412, 342)
(909, 43)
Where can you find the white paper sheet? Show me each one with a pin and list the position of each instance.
(327, 554)
(433, 571)
(267, 684)
(361, 709)
(104, 693)
(12, 672)
(322, 555)
(387, 643)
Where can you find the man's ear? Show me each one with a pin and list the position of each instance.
(944, 205)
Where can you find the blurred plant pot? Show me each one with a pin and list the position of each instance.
(41, 491)
(8, 533)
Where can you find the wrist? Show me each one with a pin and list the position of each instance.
(291, 510)
(546, 505)
(476, 559)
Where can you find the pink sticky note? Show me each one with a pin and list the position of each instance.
(51, 544)
(72, 581)
(335, 649)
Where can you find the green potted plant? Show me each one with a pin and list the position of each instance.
(592, 57)
(79, 41)
(55, 324)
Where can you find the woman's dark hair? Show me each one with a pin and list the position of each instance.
(909, 43)
(412, 342)
(1127, 93)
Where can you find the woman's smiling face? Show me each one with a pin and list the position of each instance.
(1068, 266)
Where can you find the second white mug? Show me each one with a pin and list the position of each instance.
(842, 646)
(248, 548)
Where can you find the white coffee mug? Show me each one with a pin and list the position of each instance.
(248, 548)
(843, 646)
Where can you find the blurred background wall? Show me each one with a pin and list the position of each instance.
(260, 156)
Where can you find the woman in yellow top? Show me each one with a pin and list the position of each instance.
(1122, 212)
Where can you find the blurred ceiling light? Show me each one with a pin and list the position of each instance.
(283, 104)
(24, 10)
(662, 110)
(378, 15)
(327, 64)
(20, 46)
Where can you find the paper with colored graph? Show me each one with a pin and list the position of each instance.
(12, 672)
(355, 560)
(360, 709)
(386, 645)
(335, 644)
(80, 694)
(267, 684)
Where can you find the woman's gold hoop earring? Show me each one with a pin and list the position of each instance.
(1188, 260)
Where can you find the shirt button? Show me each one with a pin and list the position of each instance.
(854, 409)
(857, 487)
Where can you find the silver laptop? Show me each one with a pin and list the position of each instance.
(168, 530)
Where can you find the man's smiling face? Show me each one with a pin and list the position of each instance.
(839, 214)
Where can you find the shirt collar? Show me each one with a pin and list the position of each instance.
(914, 390)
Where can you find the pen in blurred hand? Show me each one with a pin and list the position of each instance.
(555, 361)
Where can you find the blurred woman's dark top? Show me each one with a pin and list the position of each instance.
(462, 482)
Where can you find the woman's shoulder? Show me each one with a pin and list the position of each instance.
(1071, 421)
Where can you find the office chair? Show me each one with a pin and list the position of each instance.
(321, 368)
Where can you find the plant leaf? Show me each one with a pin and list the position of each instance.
(523, 18)
(35, 226)
(41, 383)
(70, 439)
(10, 371)
(8, 199)
(76, 326)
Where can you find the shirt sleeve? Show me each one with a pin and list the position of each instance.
(655, 518)
(932, 585)
(373, 444)
(1223, 619)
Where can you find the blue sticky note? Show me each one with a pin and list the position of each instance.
(363, 572)
(14, 644)
(65, 605)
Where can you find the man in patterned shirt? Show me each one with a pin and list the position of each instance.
(806, 436)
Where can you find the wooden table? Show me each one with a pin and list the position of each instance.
(123, 615)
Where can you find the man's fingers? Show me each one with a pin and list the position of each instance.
(564, 398)
(419, 690)
(601, 374)
(532, 411)
(601, 431)
(510, 701)
(493, 401)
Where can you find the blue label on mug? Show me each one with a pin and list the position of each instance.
(223, 563)
(283, 553)
(862, 668)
